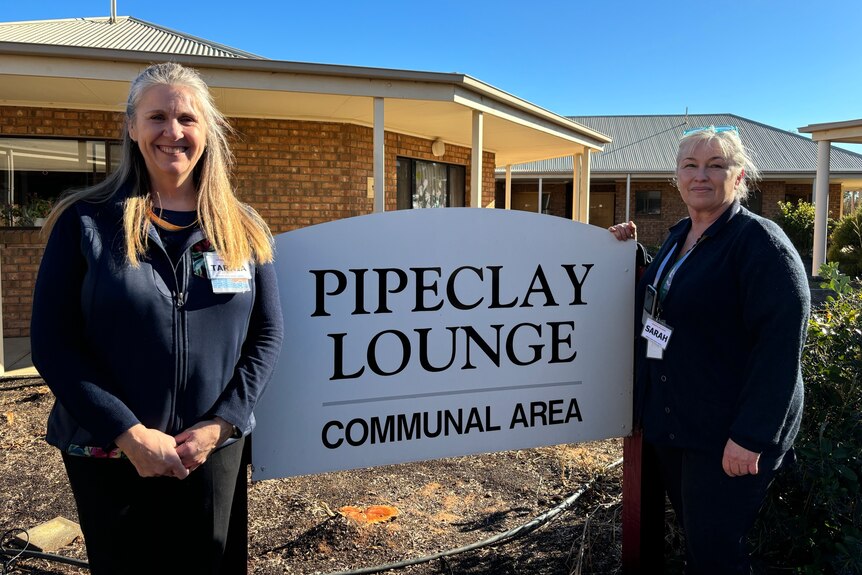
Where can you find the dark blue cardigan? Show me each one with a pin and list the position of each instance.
(739, 307)
(119, 345)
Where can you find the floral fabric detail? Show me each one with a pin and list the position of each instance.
(98, 452)
(199, 264)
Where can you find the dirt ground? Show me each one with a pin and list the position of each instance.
(296, 524)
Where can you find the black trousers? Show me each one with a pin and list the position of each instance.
(715, 511)
(135, 525)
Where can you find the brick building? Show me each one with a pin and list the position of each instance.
(313, 141)
(632, 179)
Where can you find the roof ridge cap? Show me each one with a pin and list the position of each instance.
(49, 20)
(204, 41)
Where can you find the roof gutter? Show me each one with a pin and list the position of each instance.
(849, 131)
(480, 89)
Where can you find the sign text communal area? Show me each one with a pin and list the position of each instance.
(422, 334)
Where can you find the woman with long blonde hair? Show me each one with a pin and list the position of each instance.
(157, 324)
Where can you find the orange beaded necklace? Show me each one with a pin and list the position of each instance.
(166, 225)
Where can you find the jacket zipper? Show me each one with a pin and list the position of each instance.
(180, 294)
(181, 279)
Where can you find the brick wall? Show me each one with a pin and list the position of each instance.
(298, 174)
(294, 173)
(20, 254)
(16, 121)
(772, 193)
(652, 228)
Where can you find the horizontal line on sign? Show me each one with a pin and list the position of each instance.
(443, 393)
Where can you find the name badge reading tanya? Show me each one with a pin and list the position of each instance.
(225, 279)
(656, 332)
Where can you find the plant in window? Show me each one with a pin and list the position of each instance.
(41, 207)
(10, 214)
(34, 212)
(25, 215)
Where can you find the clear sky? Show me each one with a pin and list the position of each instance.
(785, 63)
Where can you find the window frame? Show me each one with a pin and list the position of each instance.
(24, 200)
(406, 167)
(754, 201)
(649, 201)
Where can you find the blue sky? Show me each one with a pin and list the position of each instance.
(784, 63)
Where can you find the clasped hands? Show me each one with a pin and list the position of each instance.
(157, 454)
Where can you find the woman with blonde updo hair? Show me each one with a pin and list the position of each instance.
(157, 324)
(722, 315)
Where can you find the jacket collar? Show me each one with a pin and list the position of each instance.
(684, 225)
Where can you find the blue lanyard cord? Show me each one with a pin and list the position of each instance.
(665, 284)
(666, 259)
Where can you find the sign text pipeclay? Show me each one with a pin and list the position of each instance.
(428, 289)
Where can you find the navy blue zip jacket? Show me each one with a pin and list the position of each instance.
(119, 345)
(738, 306)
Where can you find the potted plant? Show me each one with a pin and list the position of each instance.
(35, 212)
(10, 213)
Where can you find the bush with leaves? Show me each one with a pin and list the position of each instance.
(797, 221)
(812, 519)
(845, 244)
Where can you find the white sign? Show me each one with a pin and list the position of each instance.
(422, 334)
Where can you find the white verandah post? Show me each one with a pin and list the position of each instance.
(821, 206)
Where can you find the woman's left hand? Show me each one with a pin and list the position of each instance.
(739, 461)
(196, 443)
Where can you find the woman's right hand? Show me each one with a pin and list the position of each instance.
(624, 231)
(153, 453)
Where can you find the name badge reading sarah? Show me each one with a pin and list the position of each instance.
(225, 279)
(657, 333)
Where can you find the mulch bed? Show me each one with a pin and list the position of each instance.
(296, 526)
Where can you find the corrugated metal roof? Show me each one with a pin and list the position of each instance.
(126, 33)
(648, 144)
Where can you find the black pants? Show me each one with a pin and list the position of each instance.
(136, 525)
(715, 511)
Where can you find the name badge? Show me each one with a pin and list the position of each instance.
(657, 333)
(653, 351)
(225, 279)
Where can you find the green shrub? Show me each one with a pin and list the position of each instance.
(797, 221)
(845, 244)
(833, 279)
(812, 519)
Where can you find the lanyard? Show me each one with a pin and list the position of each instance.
(665, 285)
(663, 264)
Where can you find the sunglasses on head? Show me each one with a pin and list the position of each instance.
(715, 129)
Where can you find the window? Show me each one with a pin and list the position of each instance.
(423, 184)
(852, 201)
(754, 201)
(794, 197)
(648, 202)
(33, 172)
